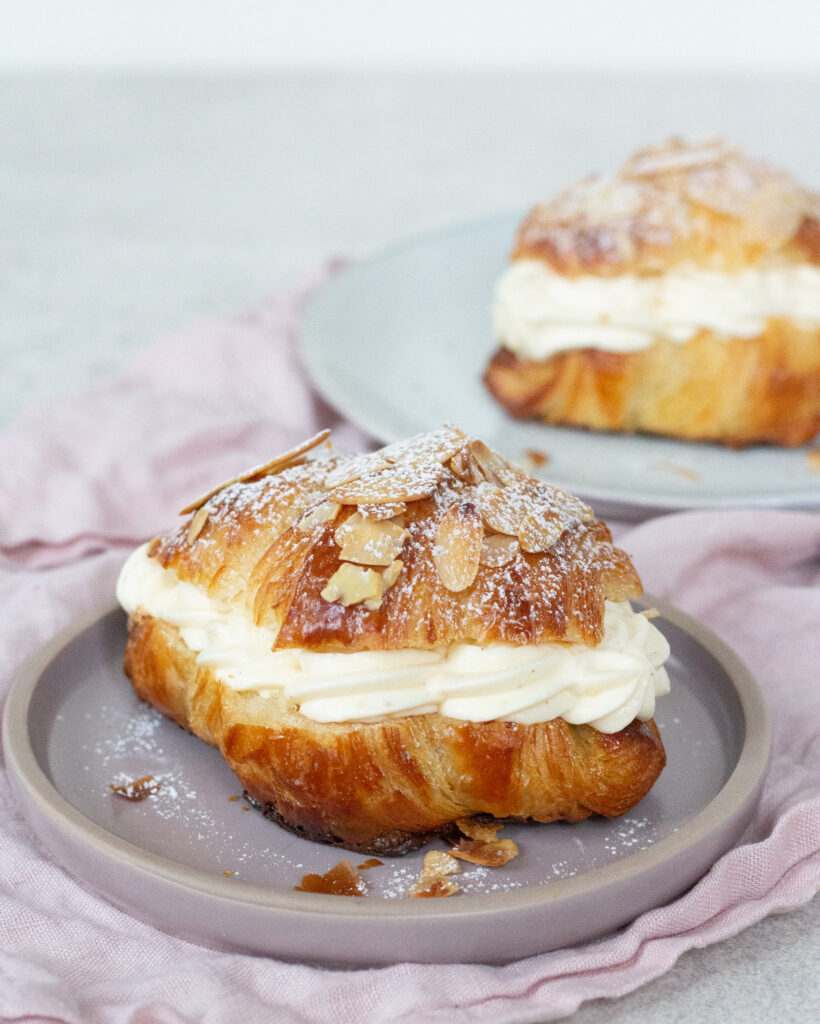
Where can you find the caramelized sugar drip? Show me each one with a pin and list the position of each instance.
(137, 790)
(343, 880)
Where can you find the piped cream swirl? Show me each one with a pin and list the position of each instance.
(606, 686)
(538, 312)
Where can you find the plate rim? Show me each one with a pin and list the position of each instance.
(636, 500)
(739, 788)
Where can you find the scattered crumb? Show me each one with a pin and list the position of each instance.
(137, 790)
(813, 459)
(233, 798)
(481, 845)
(672, 467)
(535, 457)
(343, 880)
(371, 863)
(650, 613)
(227, 873)
(433, 881)
(246, 808)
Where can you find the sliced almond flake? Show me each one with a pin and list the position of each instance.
(568, 503)
(457, 547)
(539, 530)
(494, 468)
(433, 880)
(503, 508)
(397, 484)
(465, 468)
(437, 446)
(389, 510)
(369, 541)
(483, 830)
(434, 888)
(676, 155)
(275, 465)
(391, 574)
(321, 513)
(356, 467)
(352, 584)
(489, 854)
(498, 550)
(650, 613)
(198, 520)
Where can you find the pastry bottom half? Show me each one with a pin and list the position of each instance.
(734, 391)
(389, 787)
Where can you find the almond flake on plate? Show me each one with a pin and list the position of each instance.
(433, 881)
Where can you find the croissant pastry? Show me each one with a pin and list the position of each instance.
(679, 297)
(384, 644)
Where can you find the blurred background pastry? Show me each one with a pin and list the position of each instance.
(680, 296)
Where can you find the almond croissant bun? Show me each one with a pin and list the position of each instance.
(381, 645)
(680, 296)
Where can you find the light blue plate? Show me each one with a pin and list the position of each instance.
(399, 344)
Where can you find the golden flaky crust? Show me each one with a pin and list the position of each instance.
(704, 205)
(266, 548)
(677, 202)
(390, 787)
(736, 391)
(271, 544)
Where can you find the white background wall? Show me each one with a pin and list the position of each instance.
(761, 36)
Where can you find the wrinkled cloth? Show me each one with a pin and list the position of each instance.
(85, 480)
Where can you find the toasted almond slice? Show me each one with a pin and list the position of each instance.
(433, 881)
(398, 483)
(539, 530)
(568, 504)
(465, 468)
(369, 541)
(275, 465)
(491, 464)
(319, 514)
(389, 510)
(198, 520)
(457, 547)
(483, 830)
(391, 574)
(497, 550)
(437, 446)
(352, 584)
(503, 508)
(356, 467)
(489, 854)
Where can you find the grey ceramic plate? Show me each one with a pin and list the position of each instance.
(72, 725)
(399, 344)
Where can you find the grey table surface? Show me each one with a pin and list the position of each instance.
(130, 206)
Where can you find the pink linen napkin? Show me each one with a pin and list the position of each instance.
(82, 483)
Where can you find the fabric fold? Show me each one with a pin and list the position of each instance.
(83, 484)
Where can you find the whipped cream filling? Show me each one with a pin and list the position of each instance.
(606, 686)
(538, 312)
